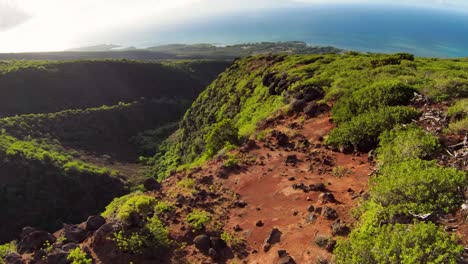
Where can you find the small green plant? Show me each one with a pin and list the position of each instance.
(158, 234)
(6, 249)
(78, 256)
(153, 236)
(186, 183)
(198, 219)
(340, 171)
(231, 240)
(163, 207)
(133, 242)
(47, 246)
(231, 162)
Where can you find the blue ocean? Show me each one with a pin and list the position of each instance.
(423, 32)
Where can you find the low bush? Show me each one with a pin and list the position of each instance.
(198, 219)
(231, 162)
(186, 183)
(221, 135)
(405, 143)
(154, 236)
(458, 110)
(362, 132)
(449, 89)
(418, 187)
(378, 95)
(158, 234)
(458, 127)
(132, 242)
(113, 207)
(78, 256)
(458, 114)
(6, 249)
(394, 244)
(163, 207)
(141, 204)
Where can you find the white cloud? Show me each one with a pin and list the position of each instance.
(62, 24)
(10, 15)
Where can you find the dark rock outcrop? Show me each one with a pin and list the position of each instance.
(94, 222)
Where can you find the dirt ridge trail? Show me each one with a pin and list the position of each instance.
(267, 189)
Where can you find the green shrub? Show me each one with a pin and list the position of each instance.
(113, 207)
(78, 256)
(231, 239)
(418, 187)
(458, 114)
(221, 135)
(6, 249)
(394, 59)
(158, 235)
(163, 207)
(362, 131)
(458, 110)
(371, 98)
(405, 143)
(141, 204)
(186, 183)
(449, 89)
(154, 236)
(198, 219)
(395, 244)
(133, 242)
(458, 127)
(231, 162)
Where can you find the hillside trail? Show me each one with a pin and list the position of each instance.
(267, 189)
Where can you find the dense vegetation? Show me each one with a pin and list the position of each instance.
(54, 112)
(370, 92)
(404, 189)
(38, 177)
(44, 86)
(106, 129)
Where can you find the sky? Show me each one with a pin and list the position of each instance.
(53, 25)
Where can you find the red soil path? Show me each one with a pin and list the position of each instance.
(269, 195)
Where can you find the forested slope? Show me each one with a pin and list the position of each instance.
(69, 127)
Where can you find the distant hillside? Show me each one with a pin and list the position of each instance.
(44, 87)
(174, 51)
(102, 47)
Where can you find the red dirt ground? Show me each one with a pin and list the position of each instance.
(271, 198)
